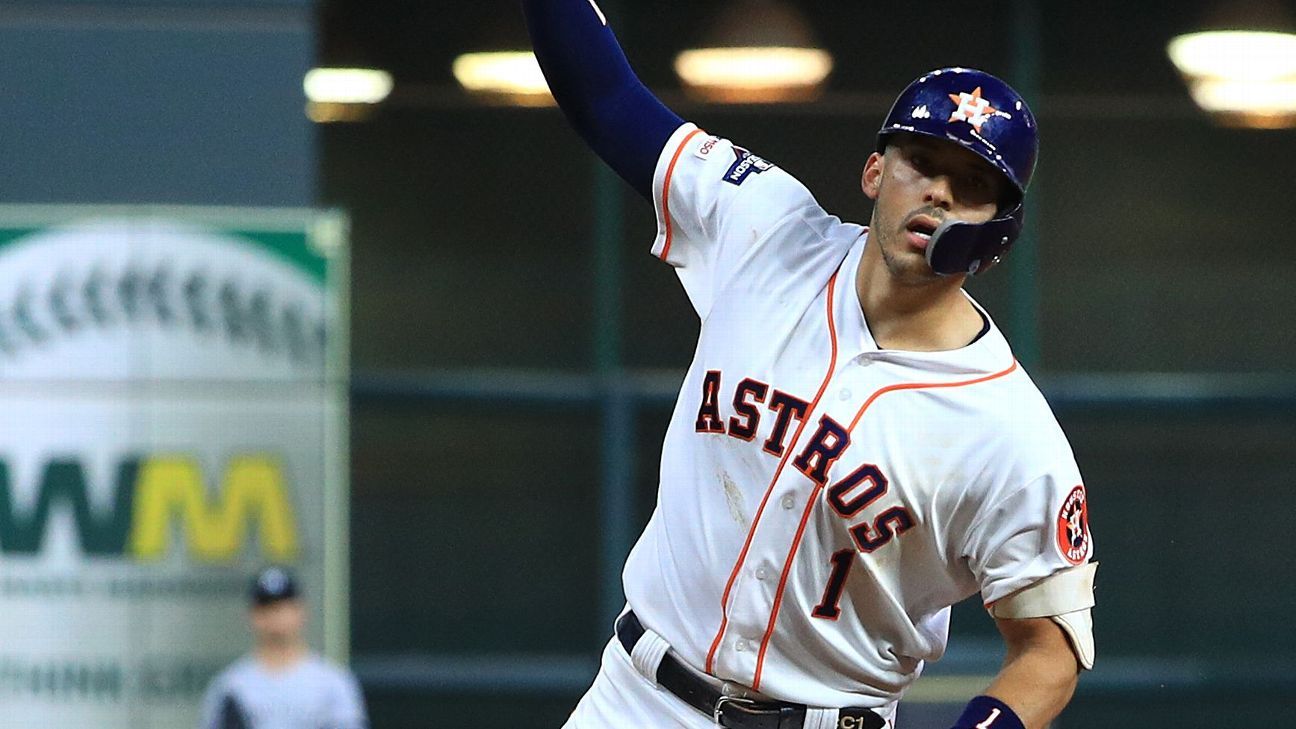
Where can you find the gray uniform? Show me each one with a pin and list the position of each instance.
(314, 694)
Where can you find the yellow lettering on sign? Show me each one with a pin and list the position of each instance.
(252, 489)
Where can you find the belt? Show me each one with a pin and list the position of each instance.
(732, 712)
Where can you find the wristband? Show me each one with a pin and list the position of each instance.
(987, 712)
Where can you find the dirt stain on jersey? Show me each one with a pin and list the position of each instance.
(734, 497)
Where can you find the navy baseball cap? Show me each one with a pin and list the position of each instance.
(273, 584)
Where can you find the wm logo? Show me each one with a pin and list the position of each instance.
(150, 497)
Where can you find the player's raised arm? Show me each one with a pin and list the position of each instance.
(595, 87)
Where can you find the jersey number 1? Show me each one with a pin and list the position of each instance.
(830, 606)
(889, 523)
(848, 497)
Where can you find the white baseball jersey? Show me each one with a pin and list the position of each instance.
(824, 501)
(314, 694)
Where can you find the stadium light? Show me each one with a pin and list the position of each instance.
(760, 51)
(1243, 70)
(344, 94)
(754, 74)
(511, 77)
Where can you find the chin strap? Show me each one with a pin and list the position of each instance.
(957, 247)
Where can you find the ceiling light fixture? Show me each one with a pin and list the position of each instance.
(761, 51)
(512, 77)
(344, 94)
(1244, 73)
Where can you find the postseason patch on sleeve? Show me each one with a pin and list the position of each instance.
(746, 165)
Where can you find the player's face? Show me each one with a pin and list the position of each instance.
(917, 184)
(282, 621)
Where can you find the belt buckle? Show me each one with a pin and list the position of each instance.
(738, 701)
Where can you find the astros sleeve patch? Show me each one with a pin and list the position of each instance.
(1030, 534)
(1073, 540)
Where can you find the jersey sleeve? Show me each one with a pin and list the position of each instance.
(209, 713)
(1030, 533)
(348, 703)
(716, 204)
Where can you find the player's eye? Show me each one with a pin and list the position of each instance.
(977, 188)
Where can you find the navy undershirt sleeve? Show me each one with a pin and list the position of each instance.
(589, 76)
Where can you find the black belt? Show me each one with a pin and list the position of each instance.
(731, 711)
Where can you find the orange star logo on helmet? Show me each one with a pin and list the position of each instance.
(972, 108)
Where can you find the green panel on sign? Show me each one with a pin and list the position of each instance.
(294, 247)
(9, 235)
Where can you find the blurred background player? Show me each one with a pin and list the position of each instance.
(281, 683)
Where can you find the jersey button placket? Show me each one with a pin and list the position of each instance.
(757, 582)
(752, 605)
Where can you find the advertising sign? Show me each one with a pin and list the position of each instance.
(172, 418)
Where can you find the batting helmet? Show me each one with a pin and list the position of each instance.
(981, 113)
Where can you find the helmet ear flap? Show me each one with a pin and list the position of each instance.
(958, 248)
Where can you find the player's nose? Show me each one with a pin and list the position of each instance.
(939, 192)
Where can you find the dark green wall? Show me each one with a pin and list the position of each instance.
(1161, 241)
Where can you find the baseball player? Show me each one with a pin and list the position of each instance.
(281, 684)
(854, 448)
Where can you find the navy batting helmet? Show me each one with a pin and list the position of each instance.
(981, 113)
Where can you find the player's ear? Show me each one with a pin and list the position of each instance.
(871, 179)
